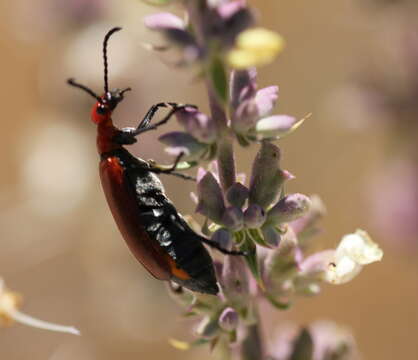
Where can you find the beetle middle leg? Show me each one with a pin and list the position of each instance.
(158, 169)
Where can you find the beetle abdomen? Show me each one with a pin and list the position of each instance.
(125, 212)
(155, 232)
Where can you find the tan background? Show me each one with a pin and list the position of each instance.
(63, 252)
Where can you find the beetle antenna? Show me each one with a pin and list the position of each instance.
(89, 91)
(125, 90)
(106, 39)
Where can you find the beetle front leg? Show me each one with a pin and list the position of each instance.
(144, 125)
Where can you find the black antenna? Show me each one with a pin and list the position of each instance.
(106, 39)
(125, 90)
(85, 88)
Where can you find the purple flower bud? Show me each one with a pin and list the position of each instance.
(201, 172)
(223, 238)
(208, 328)
(228, 320)
(276, 126)
(174, 30)
(245, 117)
(254, 216)
(271, 236)
(228, 9)
(197, 124)
(308, 222)
(267, 177)
(237, 194)
(180, 142)
(211, 202)
(226, 21)
(233, 218)
(249, 111)
(242, 86)
(289, 208)
(163, 21)
(182, 38)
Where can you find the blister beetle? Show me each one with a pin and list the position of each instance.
(155, 232)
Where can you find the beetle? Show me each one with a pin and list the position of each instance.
(153, 229)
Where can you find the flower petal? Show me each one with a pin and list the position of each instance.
(342, 271)
(228, 320)
(266, 99)
(164, 20)
(255, 47)
(180, 142)
(197, 124)
(360, 248)
(243, 86)
(289, 208)
(277, 126)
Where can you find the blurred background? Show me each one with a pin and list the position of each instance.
(353, 64)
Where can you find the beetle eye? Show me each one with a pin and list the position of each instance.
(101, 109)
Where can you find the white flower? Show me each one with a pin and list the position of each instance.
(9, 303)
(353, 252)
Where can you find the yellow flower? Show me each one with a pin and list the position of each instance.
(255, 47)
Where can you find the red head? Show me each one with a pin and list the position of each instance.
(103, 108)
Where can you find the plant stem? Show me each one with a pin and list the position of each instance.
(225, 155)
(252, 347)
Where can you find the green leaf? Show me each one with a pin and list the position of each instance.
(303, 346)
(200, 342)
(255, 235)
(219, 79)
(276, 303)
(184, 165)
(252, 261)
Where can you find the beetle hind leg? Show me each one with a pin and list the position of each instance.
(216, 246)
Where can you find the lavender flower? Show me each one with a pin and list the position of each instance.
(272, 227)
(219, 26)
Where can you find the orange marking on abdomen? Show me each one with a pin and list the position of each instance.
(176, 271)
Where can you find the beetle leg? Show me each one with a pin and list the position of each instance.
(144, 125)
(171, 170)
(150, 114)
(215, 245)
